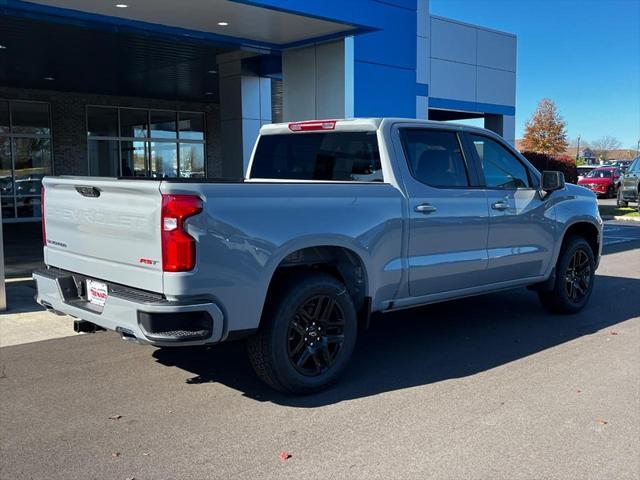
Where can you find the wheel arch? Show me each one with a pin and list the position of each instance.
(591, 232)
(342, 261)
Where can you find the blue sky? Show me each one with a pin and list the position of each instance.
(583, 54)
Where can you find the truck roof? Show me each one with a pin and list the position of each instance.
(350, 125)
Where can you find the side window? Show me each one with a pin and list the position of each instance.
(635, 166)
(435, 157)
(501, 168)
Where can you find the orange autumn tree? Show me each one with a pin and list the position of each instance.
(545, 132)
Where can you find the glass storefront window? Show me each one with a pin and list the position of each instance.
(6, 178)
(4, 117)
(134, 158)
(134, 123)
(102, 121)
(163, 124)
(32, 160)
(104, 158)
(25, 157)
(164, 159)
(151, 143)
(191, 160)
(191, 126)
(30, 118)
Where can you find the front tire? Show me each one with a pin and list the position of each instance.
(611, 192)
(575, 272)
(620, 203)
(307, 335)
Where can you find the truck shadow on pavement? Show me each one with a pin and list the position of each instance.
(429, 344)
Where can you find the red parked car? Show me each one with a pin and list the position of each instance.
(603, 181)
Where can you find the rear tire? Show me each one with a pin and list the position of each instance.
(620, 203)
(307, 335)
(575, 272)
(611, 192)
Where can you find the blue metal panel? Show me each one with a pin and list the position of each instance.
(395, 44)
(471, 106)
(384, 91)
(392, 24)
(422, 89)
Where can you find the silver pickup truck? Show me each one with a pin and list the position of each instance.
(334, 220)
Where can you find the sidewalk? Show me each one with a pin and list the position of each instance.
(25, 321)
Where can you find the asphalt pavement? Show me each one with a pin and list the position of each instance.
(486, 387)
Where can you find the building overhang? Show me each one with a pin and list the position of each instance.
(262, 25)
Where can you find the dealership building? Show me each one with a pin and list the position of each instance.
(182, 87)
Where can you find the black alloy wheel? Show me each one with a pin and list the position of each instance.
(316, 335)
(573, 279)
(578, 276)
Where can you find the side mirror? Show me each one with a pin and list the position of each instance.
(552, 181)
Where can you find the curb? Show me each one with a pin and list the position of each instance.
(624, 218)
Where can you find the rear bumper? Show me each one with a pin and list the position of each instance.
(135, 314)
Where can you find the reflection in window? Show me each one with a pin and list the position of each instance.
(6, 178)
(134, 123)
(25, 157)
(32, 160)
(501, 168)
(191, 126)
(4, 117)
(151, 143)
(30, 118)
(102, 121)
(164, 160)
(191, 160)
(163, 124)
(104, 158)
(134, 159)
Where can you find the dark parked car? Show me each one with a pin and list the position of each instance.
(623, 165)
(602, 181)
(629, 190)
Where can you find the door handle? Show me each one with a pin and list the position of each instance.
(425, 208)
(500, 205)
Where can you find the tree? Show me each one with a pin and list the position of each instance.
(605, 144)
(545, 132)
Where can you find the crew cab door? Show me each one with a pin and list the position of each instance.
(521, 227)
(448, 215)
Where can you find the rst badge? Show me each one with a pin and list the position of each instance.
(148, 261)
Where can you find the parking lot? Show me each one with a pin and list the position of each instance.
(487, 387)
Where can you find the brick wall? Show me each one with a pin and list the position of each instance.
(69, 128)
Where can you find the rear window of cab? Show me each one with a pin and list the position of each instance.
(324, 156)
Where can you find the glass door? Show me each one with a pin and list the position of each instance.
(32, 161)
(6, 179)
(25, 158)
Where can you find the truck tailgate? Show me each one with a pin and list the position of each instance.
(104, 228)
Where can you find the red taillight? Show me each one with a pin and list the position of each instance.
(44, 228)
(312, 125)
(178, 247)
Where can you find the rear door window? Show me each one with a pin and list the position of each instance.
(336, 156)
(435, 157)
